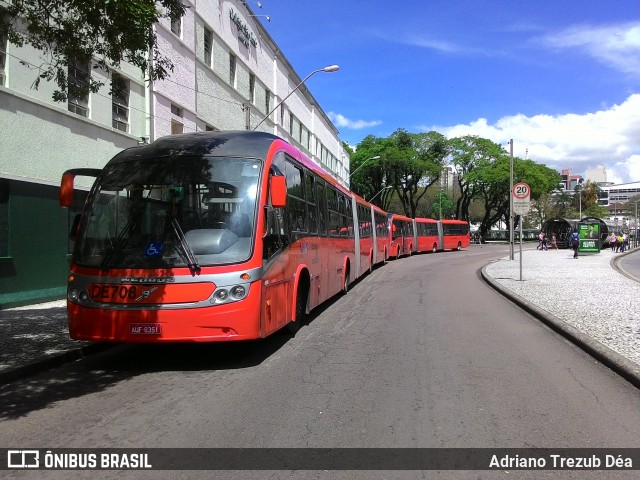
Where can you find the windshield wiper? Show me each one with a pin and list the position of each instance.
(120, 241)
(192, 262)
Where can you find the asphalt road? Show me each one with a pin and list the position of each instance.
(421, 353)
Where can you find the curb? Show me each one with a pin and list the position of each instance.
(624, 367)
(615, 263)
(38, 366)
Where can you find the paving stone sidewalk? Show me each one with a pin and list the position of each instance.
(587, 297)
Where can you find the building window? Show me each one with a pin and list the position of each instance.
(78, 103)
(176, 127)
(208, 47)
(252, 88)
(120, 102)
(304, 137)
(3, 55)
(209, 128)
(232, 70)
(176, 110)
(267, 102)
(176, 27)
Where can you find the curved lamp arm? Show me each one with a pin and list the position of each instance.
(330, 68)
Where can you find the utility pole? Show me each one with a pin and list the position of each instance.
(511, 200)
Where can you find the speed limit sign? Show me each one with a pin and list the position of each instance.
(521, 198)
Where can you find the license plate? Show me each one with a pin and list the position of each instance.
(145, 328)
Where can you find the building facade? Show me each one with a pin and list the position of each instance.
(229, 74)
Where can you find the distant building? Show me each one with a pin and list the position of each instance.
(448, 178)
(229, 75)
(615, 198)
(597, 175)
(569, 181)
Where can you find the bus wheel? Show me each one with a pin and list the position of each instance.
(301, 306)
(459, 246)
(345, 285)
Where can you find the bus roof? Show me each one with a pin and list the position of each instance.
(231, 143)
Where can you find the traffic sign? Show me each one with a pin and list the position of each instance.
(521, 198)
(521, 190)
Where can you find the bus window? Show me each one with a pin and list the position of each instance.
(322, 208)
(310, 190)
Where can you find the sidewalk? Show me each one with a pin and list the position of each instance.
(588, 300)
(36, 337)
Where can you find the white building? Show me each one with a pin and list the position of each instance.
(229, 73)
(597, 175)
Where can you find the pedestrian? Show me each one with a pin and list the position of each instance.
(540, 241)
(613, 240)
(554, 241)
(574, 242)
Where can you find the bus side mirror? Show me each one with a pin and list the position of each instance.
(66, 184)
(278, 190)
(66, 189)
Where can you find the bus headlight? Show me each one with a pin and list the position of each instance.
(78, 296)
(73, 295)
(221, 295)
(238, 292)
(229, 294)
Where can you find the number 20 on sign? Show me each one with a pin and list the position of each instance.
(521, 190)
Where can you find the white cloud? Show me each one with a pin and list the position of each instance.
(610, 137)
(340, 120)
(617, 45)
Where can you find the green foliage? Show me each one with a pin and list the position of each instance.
(442, 206)
(368, 175)
(109, 32)
(483, 169)
(408, 162)
(411, 163)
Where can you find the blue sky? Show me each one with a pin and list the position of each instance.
(561, 77)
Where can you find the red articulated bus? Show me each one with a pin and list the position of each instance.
(212, 236)
(454, 234)
(372, 236)
(401, 235)
(427, 237)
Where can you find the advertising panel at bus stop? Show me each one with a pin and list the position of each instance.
(589, 237)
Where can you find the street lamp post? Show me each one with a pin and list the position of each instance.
(635, 242)
(362, 165)
(330, 68)
(579, 187)
(379, 192)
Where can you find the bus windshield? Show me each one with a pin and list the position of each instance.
(170, 212)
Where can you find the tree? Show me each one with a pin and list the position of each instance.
(368, 175)
(483, 170)
(585, 202)
(413, 163)
(465, 154)
(442, 206)
(109, 32)
(409, 163)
